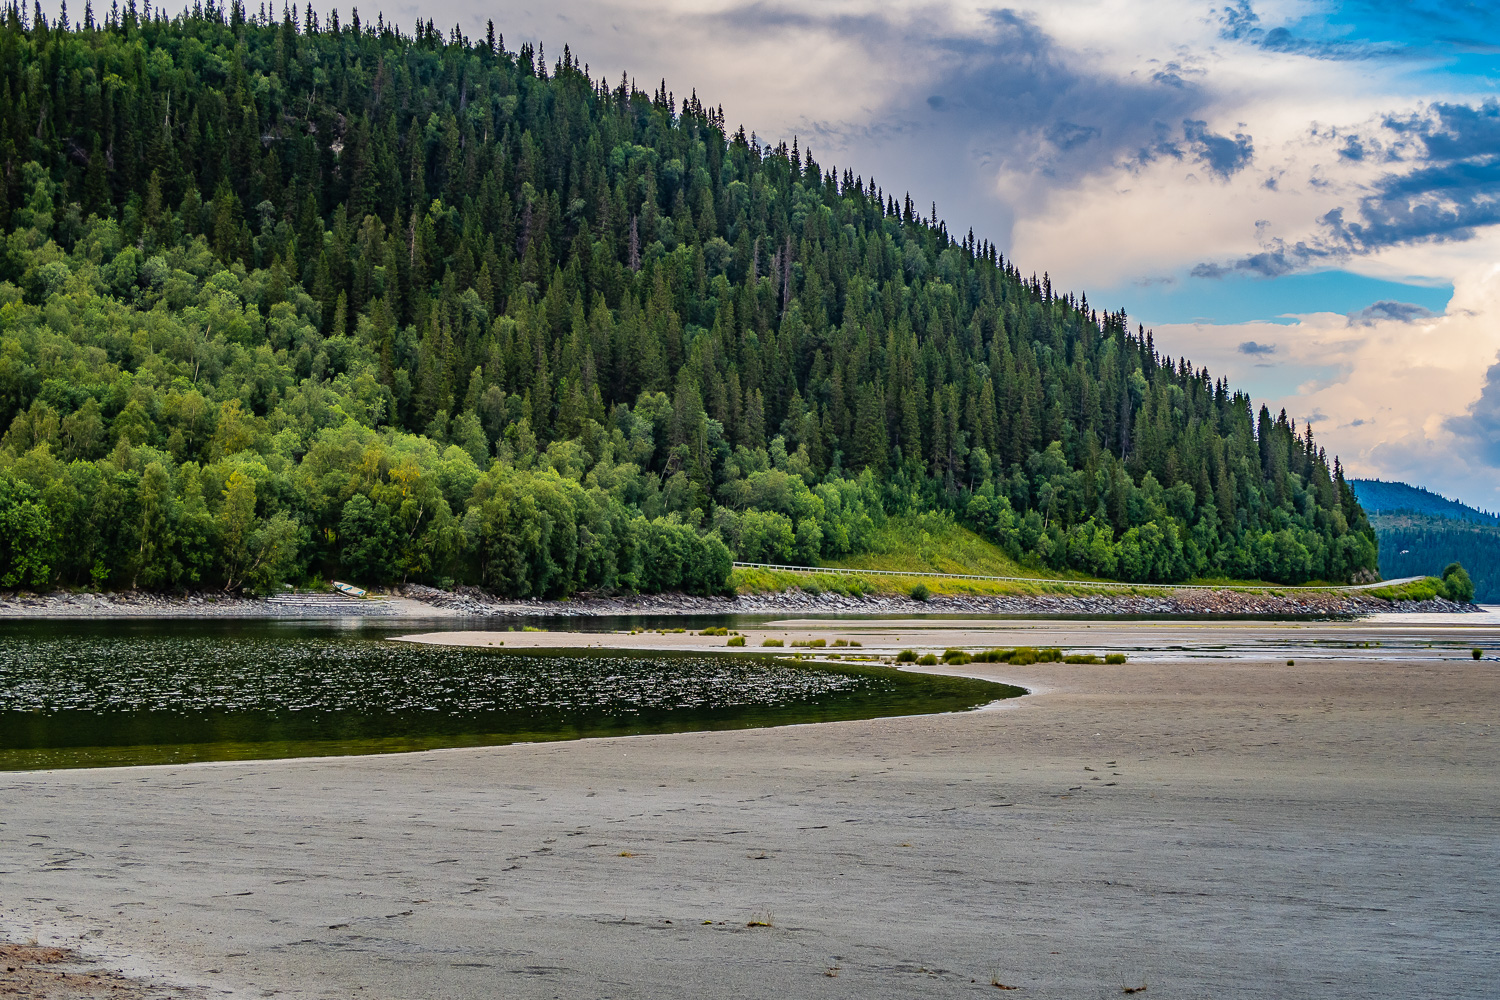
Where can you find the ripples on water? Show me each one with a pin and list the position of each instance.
(75, 695)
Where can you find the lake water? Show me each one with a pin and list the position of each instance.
(84, 694)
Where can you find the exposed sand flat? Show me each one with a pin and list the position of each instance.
(1227, 829)
(1376, 637)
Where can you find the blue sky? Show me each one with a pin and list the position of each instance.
(1302, 195)
(1244, 298)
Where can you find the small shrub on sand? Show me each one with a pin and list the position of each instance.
(811, 643)
(930, 660)
(1477, 653)
(920, 592)
(841, 642)
(1081, 658)
(907, 656)
(1114, 658)
(771, 642)
(736, 640)
(713, 630)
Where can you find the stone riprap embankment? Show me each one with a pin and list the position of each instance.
(418, 601)
(468, 600)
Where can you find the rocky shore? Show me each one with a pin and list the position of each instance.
(418, 601)
(471, 601)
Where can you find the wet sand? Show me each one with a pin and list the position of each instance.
(1394, 636)
(1225, 828)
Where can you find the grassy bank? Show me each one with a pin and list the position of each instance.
(906, 546)
(933, 544)
(1417, 590)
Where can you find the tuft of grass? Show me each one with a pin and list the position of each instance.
(771, 642)
(1477, 653)
(907, 656)
(736, 640)
(1291, 663)
(810, 643)
(1081, 658)
(1115, 658)
(930, 660)
(714, 630)
(920, 592)
(531, 628)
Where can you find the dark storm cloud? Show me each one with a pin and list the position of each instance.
(1239, 22)
(1221, 154)
(1451, 190)
(1003, 100)
(1404, 312)
(1278, 258)
(1454, 190)
(1015, 95)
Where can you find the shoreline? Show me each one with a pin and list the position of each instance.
(415, 601)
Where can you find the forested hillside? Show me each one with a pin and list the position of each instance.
(313, 298)
(1414, 544)
(1378, 496)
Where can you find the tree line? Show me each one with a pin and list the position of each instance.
(298, 298)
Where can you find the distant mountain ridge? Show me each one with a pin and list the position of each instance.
(1377, 495)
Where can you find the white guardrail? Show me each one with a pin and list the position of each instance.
(1072, 583)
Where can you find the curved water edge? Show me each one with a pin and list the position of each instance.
(112, 693)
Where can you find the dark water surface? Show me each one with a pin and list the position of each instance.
(85, 694)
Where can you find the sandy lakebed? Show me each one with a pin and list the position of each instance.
(1204, 820)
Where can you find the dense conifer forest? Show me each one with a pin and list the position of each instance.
(1416, 543)
(287, 297)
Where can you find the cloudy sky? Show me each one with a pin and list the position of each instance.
(1302, 195)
